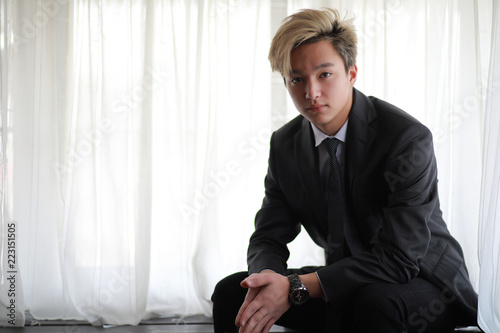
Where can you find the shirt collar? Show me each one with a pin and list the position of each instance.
(320, 136)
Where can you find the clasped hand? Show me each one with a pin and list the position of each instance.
(265, 303)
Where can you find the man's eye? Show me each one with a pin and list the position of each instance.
(296, 80)
(326, 74)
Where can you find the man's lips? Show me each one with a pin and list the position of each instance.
(315, 107)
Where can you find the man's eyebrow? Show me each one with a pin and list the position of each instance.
(324, 65)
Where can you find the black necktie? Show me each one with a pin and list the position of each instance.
(336, 205)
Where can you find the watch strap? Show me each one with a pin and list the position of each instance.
(298, 292)
(295, 282)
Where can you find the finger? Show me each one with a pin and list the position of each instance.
(268, 326)
(255, 323)
(266, 322)
(251, 294)
(264, 325)
(260, 324)
(248, 314)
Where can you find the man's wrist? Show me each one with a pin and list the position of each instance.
(313, 284)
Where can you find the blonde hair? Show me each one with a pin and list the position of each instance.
(310, 26)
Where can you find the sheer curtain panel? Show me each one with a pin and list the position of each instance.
(136, 124)
(489, 282)
(11, 295)
(135, 136)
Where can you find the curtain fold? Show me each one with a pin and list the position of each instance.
(135, 138)
(11, 287)
(489, 232)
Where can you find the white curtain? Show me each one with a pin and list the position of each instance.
(489, 250)
(139, 151)
(135, 141)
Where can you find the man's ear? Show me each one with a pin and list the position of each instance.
(353, 74)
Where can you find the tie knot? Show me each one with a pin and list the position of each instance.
(331, 146)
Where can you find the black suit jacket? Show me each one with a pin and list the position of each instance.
(391, 185)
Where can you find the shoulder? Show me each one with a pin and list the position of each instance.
(288, 132)
(387, 119)
(292, 127)
(391, 114)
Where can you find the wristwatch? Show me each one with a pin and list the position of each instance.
(298, 292)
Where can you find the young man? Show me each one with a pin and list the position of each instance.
(360, 176)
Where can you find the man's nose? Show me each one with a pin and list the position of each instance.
(312, 90)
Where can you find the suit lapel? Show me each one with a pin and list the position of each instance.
(361, 133)
(306, 159)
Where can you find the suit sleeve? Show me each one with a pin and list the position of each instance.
(410, 175)
(275, 226)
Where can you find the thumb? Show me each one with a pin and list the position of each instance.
(257, 280)
(247, 283)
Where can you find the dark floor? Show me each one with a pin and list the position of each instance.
(122, 329)
(194, 324)
(186, 328)
(192, 328)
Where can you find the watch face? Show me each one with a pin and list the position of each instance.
(300, 296)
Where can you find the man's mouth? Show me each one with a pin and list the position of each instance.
(315, 107)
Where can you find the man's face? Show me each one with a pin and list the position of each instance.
(319, 85)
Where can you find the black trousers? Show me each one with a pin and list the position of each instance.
(414, 307)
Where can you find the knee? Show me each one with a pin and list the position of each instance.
(227, 298)
(411, 307)
(373, 298)
(229, 291)
(375, 307)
